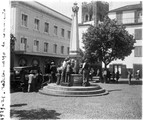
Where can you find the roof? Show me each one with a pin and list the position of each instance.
(45, 9)
(127, 8)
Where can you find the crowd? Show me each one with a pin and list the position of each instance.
(62, 74)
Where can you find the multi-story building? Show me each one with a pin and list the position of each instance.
(42, 34)
(131, 17)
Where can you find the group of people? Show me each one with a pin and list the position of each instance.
(106, 76)
(33, 81)
(63, 73)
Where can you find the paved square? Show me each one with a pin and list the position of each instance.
(123, 102)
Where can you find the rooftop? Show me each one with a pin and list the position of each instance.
(128, 7)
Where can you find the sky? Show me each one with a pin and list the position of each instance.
(65, 6)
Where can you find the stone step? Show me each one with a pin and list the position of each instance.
(73, 95)
(56, 90)
(72, 88)
(74, 92)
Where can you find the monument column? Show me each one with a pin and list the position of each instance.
(74, 41)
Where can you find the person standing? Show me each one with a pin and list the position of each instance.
(68, 73)
(129, 77)
(105, 75)
(91, 73)
(53, 70)
(30, 81)
(113, 75)
(117, 76)
(63, 74)
(85, 69)
(108, 75)
(137, 74)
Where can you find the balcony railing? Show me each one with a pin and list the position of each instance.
(130, 21)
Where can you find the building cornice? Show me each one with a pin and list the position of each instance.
(44, 9)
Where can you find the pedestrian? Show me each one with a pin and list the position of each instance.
(30, 79)
(85, 71)
(53, 70)
(105, 75)
(129, 77)
(117, 76)
(39, 80)
(113, 75)
(64, 65)
(91, 73)
(68, 73)
(59, 72)
(137, 74)
(108, 76)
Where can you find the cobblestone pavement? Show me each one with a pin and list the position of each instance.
(123, 102)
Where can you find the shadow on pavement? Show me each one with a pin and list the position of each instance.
(35, 114)
(18, 105)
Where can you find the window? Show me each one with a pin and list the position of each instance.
(55, 30)
(45, 47)
(138, 34)
(55, 48)
(138, 51)
(69, 34)
(36, 22)
(86, 18)
(36, 45)
(24, 20)
(62, 49)
(46, 27)
(62, 32)
(68, 50)
(138, 16)
(23, 43)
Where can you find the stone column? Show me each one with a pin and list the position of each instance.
(74, 41)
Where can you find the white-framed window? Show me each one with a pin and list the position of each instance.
(56, 30)
(23, 43)
(62, 49)
(24, 20)
(36, 46)
(62, 32)
(46, 47)
(138, 34)
(55, 48)
(36, 24)
(46, 27)
(138, 51)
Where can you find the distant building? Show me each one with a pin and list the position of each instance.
(42, 34)
(131, 17)
(92, 14)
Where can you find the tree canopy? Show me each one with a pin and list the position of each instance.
(107, 41)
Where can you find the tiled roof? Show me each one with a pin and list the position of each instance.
(127, 8)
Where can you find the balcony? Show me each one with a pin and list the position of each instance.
(130, 21)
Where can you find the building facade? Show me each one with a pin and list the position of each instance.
(42, 34)
(131, 17)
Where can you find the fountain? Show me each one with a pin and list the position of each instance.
(76, 89)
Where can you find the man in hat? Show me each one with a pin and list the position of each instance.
(53, 70)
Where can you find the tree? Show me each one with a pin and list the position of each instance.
(107, 42)
(12, 45)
